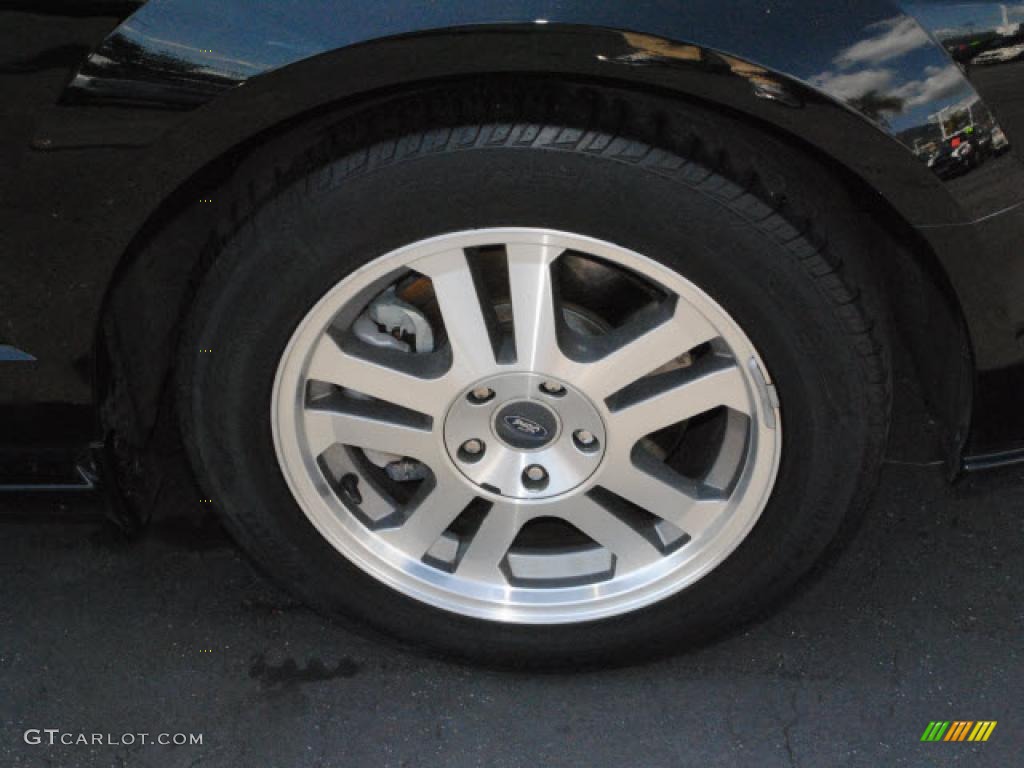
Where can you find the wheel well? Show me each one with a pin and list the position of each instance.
(153, 285)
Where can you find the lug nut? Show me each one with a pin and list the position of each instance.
(584, 438)
(535, 477)
(472, 450)
(553, 388)
(481, 394)
(536, 473)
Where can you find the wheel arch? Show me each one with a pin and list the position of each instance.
(211, 142)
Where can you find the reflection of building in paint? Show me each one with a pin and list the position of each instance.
(1006, 29)
(927, 139)
(957, 139)
(985, 43)
(956, 120)
(952, 126)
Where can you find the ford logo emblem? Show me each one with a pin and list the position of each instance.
(526, 427)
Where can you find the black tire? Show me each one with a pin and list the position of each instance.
(759, 226)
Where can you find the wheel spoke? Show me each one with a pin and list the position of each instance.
(631, 549)
(533, 306)
(457, 296)
(490, 544)
(664, 496)
(325, 428)
(334, 365)
(528, 411)
(698, 390)
(429, 517)
(685, 329)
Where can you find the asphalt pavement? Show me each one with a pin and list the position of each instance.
(921, 618)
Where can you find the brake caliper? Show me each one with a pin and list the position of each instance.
(393, 323)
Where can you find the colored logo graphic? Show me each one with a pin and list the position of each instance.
(959, 730)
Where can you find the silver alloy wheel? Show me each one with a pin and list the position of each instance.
(597, 402)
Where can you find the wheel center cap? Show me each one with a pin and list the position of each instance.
(524, 436)
(527, 425)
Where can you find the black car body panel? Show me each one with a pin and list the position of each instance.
(115, 115)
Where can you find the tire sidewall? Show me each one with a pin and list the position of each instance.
(309, 237)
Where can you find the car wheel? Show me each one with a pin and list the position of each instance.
(532, 391)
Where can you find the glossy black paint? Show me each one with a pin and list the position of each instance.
(105, 148)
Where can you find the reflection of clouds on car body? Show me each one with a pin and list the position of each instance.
(939, 83)
(852, 85)
(895, 37)
(874, 75)
(894, 77)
